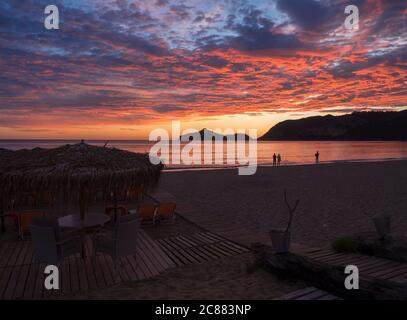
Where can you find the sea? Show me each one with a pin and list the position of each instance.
(292, 152)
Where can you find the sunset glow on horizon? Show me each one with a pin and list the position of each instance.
(118, 69)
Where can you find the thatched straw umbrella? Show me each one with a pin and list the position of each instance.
(73, 172)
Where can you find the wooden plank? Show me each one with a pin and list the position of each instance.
(224, 240)
(225, 248)
(198, 254)
(174, 252)
(211, 252)
(189, 241)
(90, 273)
(125, 267)
(13, 281)
(105, 271)
(150, 257)
(66, 279)
(7, 271)
(328, 296)
(322, 253)
(174, 259)
(39, 282)
(220, 251)
(346, 260)
(312, 295)
(333, 257)
(115, 274)
(195, 251)
(100, 280)
(136, 273)
(298, 293)
(24, 273)
(31, 278)
(153, 254)
(386, 270)
(377, 266)
(145, 265)
(196, 240)
(395, 274)
(149, 263)
(215, 238)
(73, 273)
(3, 251)
(204, 240)
(7, 254)
(83, 280)
(401, 278)
(157, 247)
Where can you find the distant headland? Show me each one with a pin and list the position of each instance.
(374, 125)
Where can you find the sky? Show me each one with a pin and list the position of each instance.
(117, 69)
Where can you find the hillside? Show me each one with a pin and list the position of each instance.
(355, 126)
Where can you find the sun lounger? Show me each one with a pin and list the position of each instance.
(166, 212)
(147, 212)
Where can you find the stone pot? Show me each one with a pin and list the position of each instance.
(280, 240)
(382, 225)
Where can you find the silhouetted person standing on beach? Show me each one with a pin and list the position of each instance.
(317, 157)
(274, 159)
(278, 159)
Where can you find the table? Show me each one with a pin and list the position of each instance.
(91, 220)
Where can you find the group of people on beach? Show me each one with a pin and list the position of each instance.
(276, 159)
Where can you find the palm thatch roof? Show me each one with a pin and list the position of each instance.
(70, 170)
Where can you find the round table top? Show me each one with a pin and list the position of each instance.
(91, 220)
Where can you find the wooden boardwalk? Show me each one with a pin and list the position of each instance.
(369, 267)
(309, 293)
(199, 247)
(22, 278)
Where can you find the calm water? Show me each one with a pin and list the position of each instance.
(292, 152)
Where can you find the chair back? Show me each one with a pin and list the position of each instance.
(27, 218)
(146, 211)
(166, 210)
(45, 244)
(127, 229)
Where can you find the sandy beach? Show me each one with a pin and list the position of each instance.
(336, 199)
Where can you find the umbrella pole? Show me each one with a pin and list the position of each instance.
(115, 205)
(3, 229)
(82, 202)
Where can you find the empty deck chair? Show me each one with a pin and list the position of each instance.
(147, 212)
(166, 212)
(49, 246)
(121, 241)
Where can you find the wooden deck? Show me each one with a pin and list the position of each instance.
(369, 267)
(199, 247)
(22, 278)
(309, 293)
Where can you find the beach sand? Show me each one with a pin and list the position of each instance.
(336, 199)
(237, 277)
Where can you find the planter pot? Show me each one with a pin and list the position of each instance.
(280, 240)
(382, 225)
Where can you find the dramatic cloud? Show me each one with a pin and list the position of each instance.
(115, 64)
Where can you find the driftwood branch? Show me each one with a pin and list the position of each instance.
(291, 210)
